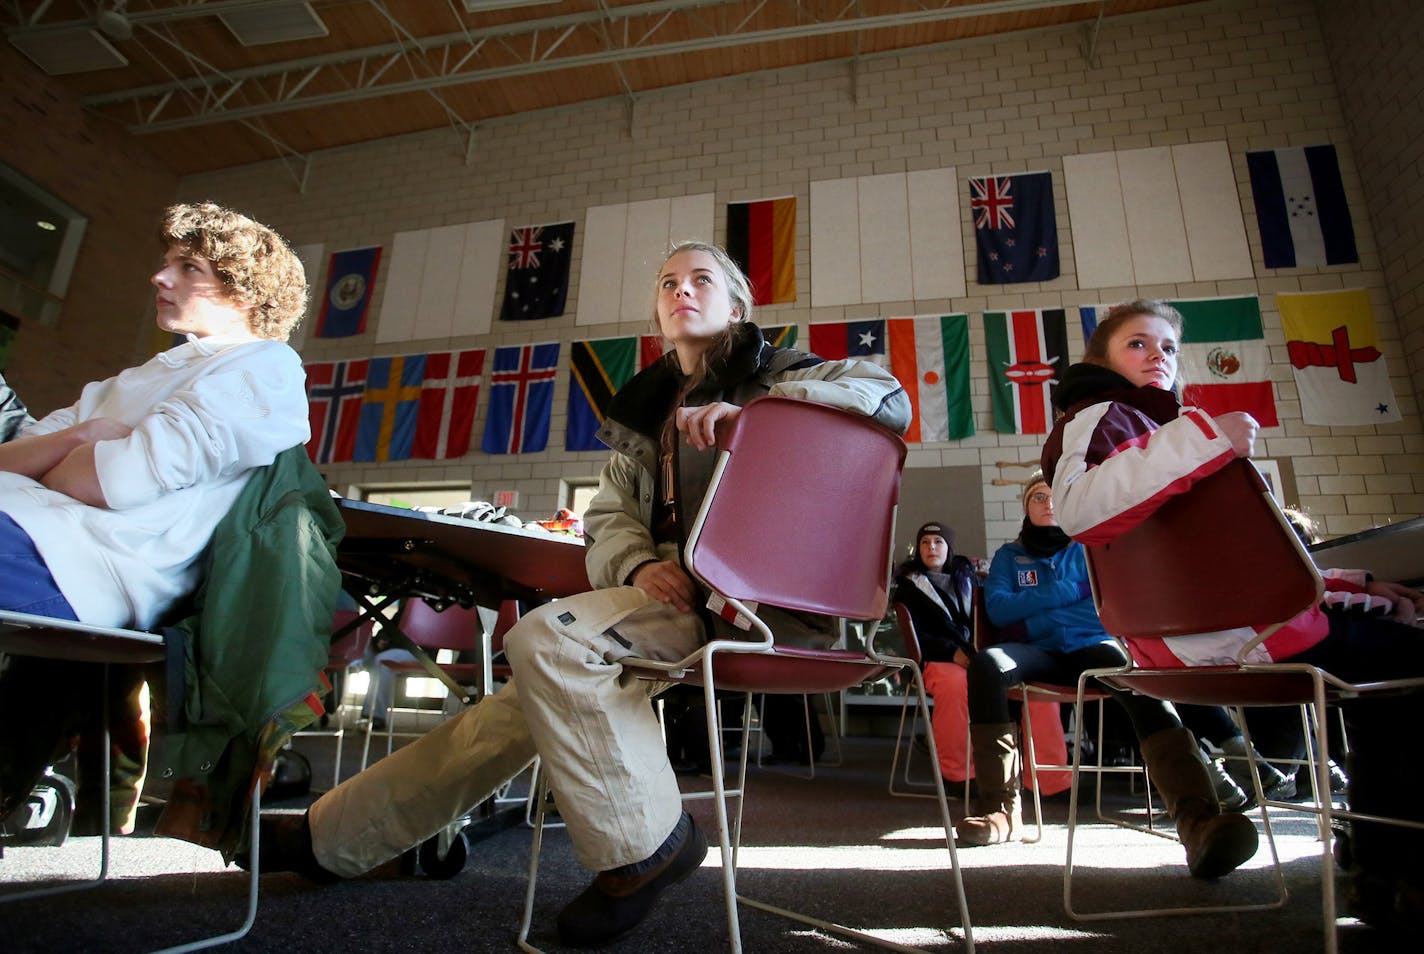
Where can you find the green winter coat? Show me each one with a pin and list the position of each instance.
(256, 644)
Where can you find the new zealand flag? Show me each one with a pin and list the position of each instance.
(1015, 228)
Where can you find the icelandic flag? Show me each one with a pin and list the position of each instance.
(521, 398)
(389, 408)
(1015, 227)
(349, 280)
(1301, 207)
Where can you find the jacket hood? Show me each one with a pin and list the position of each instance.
(643, 403)
(1085, 384)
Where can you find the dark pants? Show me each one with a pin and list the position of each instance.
(1386, 749)
(995, 670)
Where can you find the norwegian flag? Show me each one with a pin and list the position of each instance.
(521, 398)
(1015, 227)
(334, 392)
(537, 283)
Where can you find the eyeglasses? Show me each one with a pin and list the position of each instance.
(1040, 498)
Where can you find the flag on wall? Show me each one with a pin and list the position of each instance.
(1301, 207)
(930, 357)
(538, 281)
(597, 369)
(1015, 227)
(334, 390)
(350, 278)
(761, 238)
(833, 340)
(650, 349)
(1333, 346)
(449, 391)
(1088, 316)
(1224, 365)
(1156, 215)
(390, 408)
(1028, 351)
(521, 398)
(780, 336)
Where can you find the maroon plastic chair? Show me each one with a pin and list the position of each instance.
(344, 652)
(1260, 577)
(774, 529)
(454, 628)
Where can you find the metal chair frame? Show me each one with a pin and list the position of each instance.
(734, 663)
(23, 634)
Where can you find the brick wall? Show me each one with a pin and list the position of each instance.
(1254, 74)
(113, 180)
(1373, 46)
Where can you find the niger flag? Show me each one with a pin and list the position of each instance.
(761, 238)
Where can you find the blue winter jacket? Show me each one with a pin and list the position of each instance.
(1048, 596)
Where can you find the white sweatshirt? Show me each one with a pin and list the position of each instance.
(203, 415)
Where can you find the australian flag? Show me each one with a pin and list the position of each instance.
(1015, 228)
(538, 280)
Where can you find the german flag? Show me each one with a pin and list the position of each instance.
(761, 238)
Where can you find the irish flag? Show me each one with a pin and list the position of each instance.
(1224, 363)
(1028, 352)
(930, 357)
(761, 238)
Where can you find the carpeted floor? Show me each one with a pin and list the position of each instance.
(838, 846)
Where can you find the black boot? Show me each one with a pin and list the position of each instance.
(620, 898)
(284, 843)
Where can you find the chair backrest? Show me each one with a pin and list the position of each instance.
(801, 510)
(454, 628)
(908, 634)
(1218, 557)
(352, 645)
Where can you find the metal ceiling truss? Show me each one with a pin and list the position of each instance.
(619, 35)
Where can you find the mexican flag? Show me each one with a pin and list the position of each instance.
(1028, 352)
(1224, 365)
(930, 357)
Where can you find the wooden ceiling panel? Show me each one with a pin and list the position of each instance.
(203, 101)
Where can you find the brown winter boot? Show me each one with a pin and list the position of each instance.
(1216, 843)
(1000, 775)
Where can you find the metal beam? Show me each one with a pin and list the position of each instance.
(207, 112)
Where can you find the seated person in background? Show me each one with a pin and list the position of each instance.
(570, 700)
(106, 505)
(1038, 586)
(1124, 446)
(937, 587)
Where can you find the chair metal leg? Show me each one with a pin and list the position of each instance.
(842, 929)
(251, 918)
(907, 743)
(1068, 870)
(541, 790)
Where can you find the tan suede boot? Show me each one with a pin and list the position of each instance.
(1216, 842)
(999, 772)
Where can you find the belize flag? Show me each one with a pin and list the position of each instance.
(349, 281)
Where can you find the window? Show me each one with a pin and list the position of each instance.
(414, 495)
(39, 242)
(576, 492)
